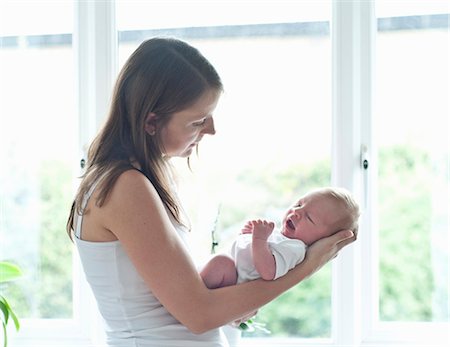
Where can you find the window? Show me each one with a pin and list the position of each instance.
(411, 122)
(265, 154)
(325, 84)
(38, 142)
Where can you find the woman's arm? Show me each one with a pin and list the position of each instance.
(136, 215)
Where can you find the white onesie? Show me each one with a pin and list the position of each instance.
(287, 253)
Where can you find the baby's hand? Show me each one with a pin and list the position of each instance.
(262, 229)
(248, 228)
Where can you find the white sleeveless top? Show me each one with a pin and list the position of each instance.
(132, 315)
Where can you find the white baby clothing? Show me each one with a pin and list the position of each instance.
(287, 253)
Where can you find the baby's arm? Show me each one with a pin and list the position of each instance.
(262, 255)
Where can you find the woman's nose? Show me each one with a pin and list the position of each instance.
(209, 128)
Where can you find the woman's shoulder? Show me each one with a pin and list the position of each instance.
(132, 183)
(132, 175)
(132, 197)
(110, 198)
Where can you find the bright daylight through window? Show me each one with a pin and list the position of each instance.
(274, 142)
(412, 120)
(260, 172)
(38, 144)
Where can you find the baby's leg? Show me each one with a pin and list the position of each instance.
(220, 271)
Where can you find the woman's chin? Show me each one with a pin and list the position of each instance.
(186, 153)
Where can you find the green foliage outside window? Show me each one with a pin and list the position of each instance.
(46, 290)
(407, 285)
(405, 203)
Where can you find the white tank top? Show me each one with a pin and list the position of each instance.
(132, 315)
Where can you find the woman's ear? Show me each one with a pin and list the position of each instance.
(150, 124)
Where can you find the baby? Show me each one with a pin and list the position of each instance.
(258, 252)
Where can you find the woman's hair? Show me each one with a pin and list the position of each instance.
(162, 76)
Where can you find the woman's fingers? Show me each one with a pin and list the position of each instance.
(328, 247)
(343, 235)
(344, 238)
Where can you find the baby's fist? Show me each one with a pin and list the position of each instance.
(262, 229)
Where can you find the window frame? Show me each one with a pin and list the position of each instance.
(355, 272)
(95, 50)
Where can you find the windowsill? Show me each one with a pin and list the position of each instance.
(247, 342)
(50, 343)
(69, 333)
(49, 332)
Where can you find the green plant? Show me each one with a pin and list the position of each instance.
(8, 272)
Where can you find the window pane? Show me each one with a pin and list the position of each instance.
(273, 126)
(38, 142)
(413, 135)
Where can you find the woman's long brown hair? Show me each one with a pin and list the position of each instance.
(162, 76)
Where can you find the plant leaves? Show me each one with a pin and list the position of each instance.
(243, 326)
(9, 272)
(4, 310)
(8, 312)
(15, 319)
(5, 335)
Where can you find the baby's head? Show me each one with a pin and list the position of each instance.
(321, 213)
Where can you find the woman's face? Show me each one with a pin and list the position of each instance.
(186, 128)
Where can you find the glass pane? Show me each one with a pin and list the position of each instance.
(38, 141)
(412, 123)
(273, 126)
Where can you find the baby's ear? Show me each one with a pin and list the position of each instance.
(355, 233)
(150, 124)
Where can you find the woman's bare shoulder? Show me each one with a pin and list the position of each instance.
(100, 220)
(131, 198)
(130, 178)
(132, 184)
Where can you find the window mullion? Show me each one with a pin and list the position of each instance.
(95, 47)
(95, 42)
(368, 253)
(352, 39)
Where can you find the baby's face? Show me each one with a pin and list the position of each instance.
(311, 218)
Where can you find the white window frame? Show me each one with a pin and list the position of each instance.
(95, 48)
(355, 272)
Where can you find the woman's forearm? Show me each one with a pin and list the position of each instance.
(224, 305)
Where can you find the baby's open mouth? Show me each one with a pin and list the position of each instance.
(290, 224)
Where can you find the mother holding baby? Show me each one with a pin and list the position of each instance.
(127, 221)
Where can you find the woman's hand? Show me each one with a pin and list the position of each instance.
(244, 319)
(323, 250)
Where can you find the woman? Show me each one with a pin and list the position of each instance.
(127, 220)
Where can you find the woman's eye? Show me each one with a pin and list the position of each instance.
(199, 123)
